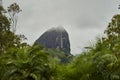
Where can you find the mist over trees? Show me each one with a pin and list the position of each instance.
(20, 61)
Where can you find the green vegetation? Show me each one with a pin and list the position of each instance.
(8, 38)
(19, 61)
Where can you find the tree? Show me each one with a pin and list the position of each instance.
(29, 63)
(7, 37)
(13, 10)
(113, 35)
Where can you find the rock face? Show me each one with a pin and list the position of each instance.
(55, 38)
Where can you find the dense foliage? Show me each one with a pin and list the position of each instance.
(19, 61)
(24, 64)
(8, 38)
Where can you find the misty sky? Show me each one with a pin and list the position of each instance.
(83, 19)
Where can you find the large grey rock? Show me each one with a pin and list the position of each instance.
(55, 38)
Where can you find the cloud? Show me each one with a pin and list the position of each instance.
(84, 19)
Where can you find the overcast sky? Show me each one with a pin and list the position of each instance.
(83, 19)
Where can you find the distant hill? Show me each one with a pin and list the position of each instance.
(55, 38)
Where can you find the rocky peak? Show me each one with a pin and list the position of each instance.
(55, 38)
